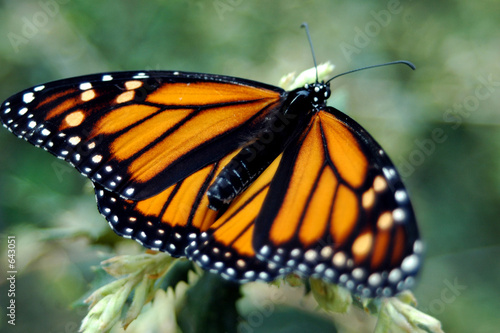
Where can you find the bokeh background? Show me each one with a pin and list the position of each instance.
(440, 124)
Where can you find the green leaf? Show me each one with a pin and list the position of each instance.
(210, 306)
(287, 320)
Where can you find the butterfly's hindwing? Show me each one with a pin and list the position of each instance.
(226, 247)
(169, 220)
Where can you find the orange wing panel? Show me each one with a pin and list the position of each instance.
(318, 211)
(127, 115)
(309, 215)
(381, 248)
(345, 214)
(205, 93)
(61, 107)
(344, 150)
(185, 202)
(187, 136)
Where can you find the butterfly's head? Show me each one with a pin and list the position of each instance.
(319, 92)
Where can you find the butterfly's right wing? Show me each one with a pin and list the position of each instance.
(331, 206)
(337, 209)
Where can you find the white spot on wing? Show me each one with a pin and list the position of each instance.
(410, 263)
(389, 172)
(265, 250)
(74, 140)
(339, 259)
(375, 279)
(395, 275)
(85, 86)
(28, 97)
(400, 196)
(326, 252)
(310, 255)
(295, 253)
(140, 75)
(398, 214)
(358, 273)
(418, 246)
(330, 273)
(319, 268)
(97, 158)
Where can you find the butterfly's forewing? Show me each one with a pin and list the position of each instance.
(137, 133)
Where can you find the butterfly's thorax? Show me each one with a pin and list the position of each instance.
(268, 143)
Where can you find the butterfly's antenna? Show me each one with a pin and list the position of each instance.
(409, 64)
(305, 26)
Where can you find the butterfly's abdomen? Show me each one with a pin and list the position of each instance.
(243, 169)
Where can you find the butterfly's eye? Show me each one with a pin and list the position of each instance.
(327, 92)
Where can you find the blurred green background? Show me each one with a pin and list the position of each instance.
(440, 124)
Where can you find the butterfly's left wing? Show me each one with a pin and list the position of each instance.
(136, 133)
(332, 206)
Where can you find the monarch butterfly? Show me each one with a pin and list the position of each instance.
(246, 179)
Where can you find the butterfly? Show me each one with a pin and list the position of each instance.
(246, 179)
